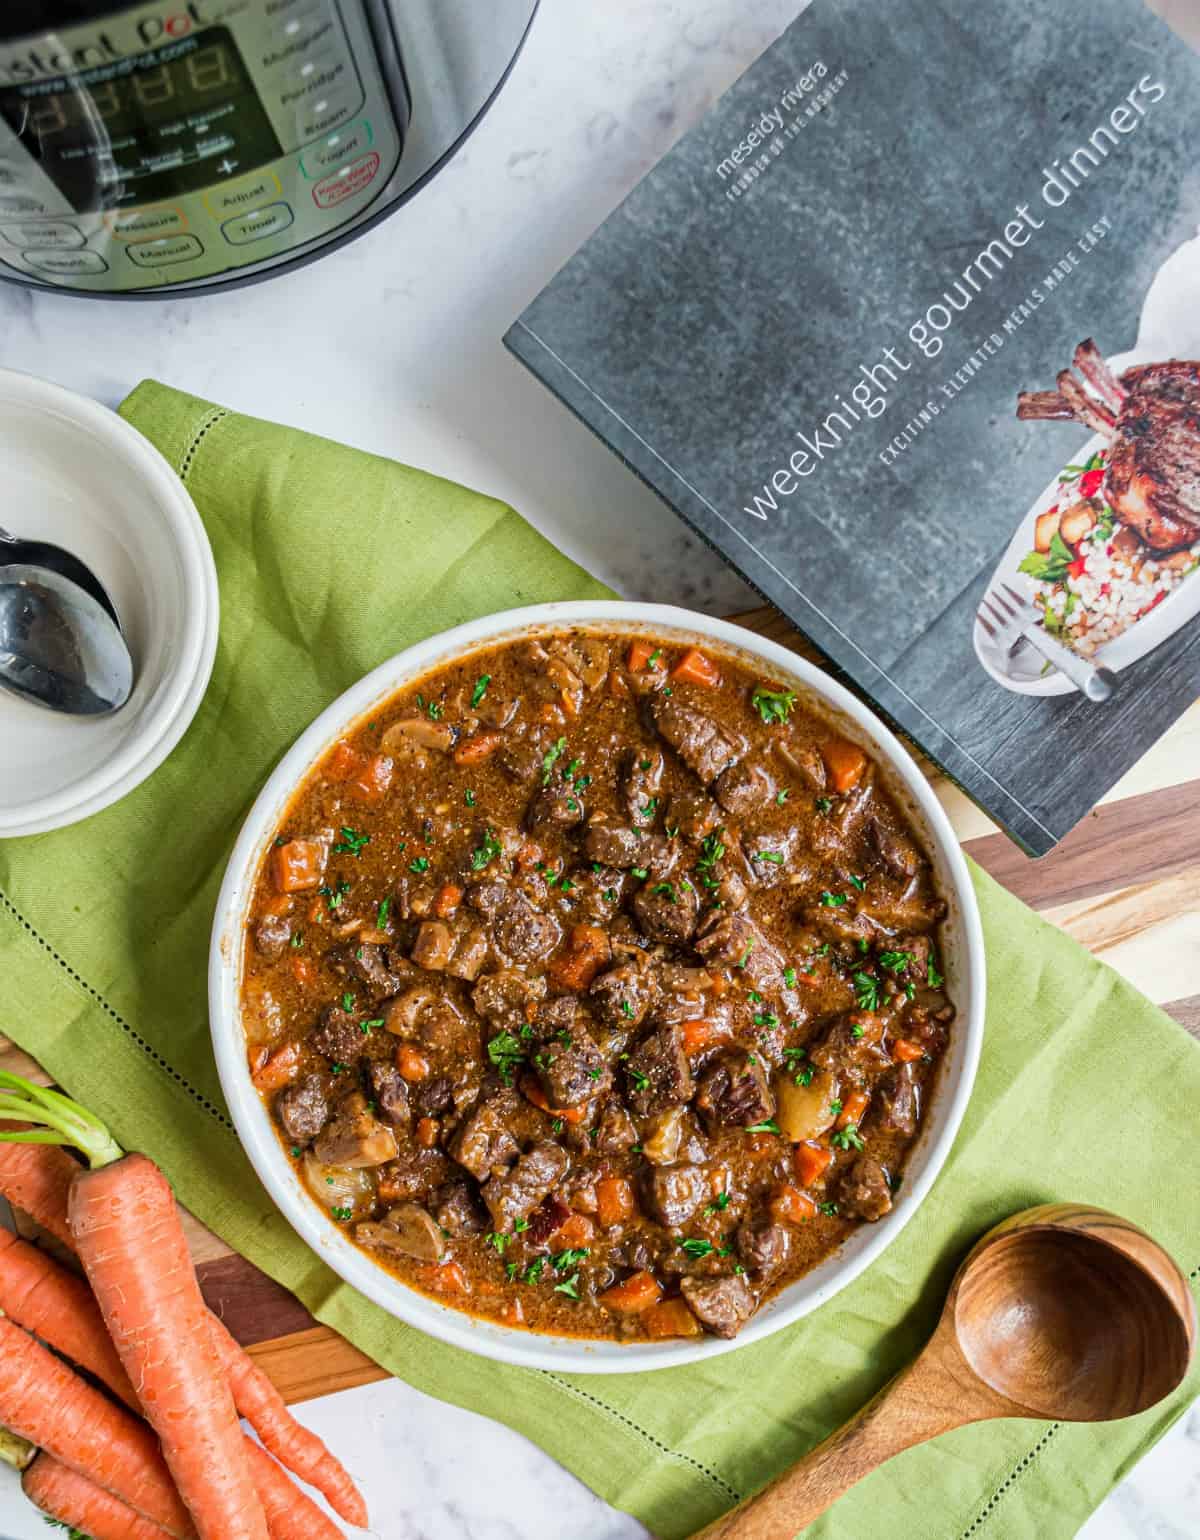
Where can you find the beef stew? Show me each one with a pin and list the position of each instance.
(593, 985)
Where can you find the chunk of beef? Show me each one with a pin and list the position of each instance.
(721, 1305)
(804, 758)
(621, 848)
(735, 1092)
(483, 1142)
(907, 957)
(434, 1096)
(434, 946)
(572, 1072)
(367, 964)
(681, 993)
(743, 788)
(892, 908)
(486, 897)
(339, 1036)
(458, 1210)
(894, 848)
(641, 776)
(864, 1190)
(895, 1103)
(389, 1091)
(556, 805)
(615, 1131)
(355, 1137)
(763, 1247)
(674, 1193)
(471, 947)
(852, 1047)
(704, 746)
(518, 1192)
(520, 759)
(524, 933)
(271, 935)
(303, 1108)
(693, 813)
(736, 941)
(730, 892)
(507, 999)
(556, 1015)
(667, 911)
(657, 1074)
(769, 858)
(597, 891)
(417, 1173)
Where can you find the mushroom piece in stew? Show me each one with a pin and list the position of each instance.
(594, 986)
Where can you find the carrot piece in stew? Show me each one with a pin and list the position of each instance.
(853, 1108)
(670, 1318)
(615, 1203)
(472, 751)
(298, 865)
(588, 950)
(790, 1206)
(412, 1063)
(374, 779)
(531, 1090)
(845, 762)
(280, 1068)
(695, 668)
(811, 1162)
(574, 1232)
(905, 1051)
(703, 1033)
(446, 1278)
(342, 763)
(633, 1294)
(446, 900)
(639, 655)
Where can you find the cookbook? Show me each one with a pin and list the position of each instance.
(907, 328)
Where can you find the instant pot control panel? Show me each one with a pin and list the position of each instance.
(177, 142)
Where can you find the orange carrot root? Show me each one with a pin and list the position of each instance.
(302, 1452)
(291, 1514)
(41, 1399)
(37, 1178)
(127, 1231)
(39, 1294)
(73, 1500)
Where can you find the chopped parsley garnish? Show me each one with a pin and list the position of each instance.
(858, 882)
(549, 757)
(347, 1001)
(626, 1008)
(569, 1286)
(572, 770)
(534, 1271)
(510, 1271)
(647, 809)
(334, 896)
(835, 1106)
(697, 1248)
(505, 1052)
(830, 900)
(794, 1053)
(828, 1208)
(419, 865)
(643, 764)
(667, 891)
(480, 689)
(745, 957)
(652, 660)
(896, 962)
(776, 857)
(341, 1213)
(823, 804)
(640, 873)
(365, 1026)
(640, 1081)
(766, 1019)
(847, 1138)
(562, 1260)
(485, 853)
(932, 977)
(497, 1241)
(298, 939)
(351, 843)
(753, 994)
(781, 797)
(557, 1126)
(856, 1031)
(866, 992)
(381, 914)
(435, 711)
(772, 705)
(805, 1076)
(789, 977)
(469, 797)
(610, 894)
(718, 1205)
(769, 1127)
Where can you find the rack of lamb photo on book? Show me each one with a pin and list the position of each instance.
(907, 328)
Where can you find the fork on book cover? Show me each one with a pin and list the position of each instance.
(1009, 619)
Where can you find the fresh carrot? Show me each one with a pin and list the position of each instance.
(291, 1514)
(293, 1445)
(632, 1295)
(695, 668)
(37, 1179)
(446, 900)
(844, 761)
(45, 1401)
(615, 1203)
(80, 1505)
(811, 1161)
(39, 1294)
(853, 1108)
(588, 949)
(125, 1226)
(472, 751)
(905, 1051)
(670, 1318)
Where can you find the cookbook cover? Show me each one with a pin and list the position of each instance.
(907, 329)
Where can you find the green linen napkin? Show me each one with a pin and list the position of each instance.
(330, 560)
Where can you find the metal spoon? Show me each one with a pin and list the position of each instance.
(40, 553)
(58, 646)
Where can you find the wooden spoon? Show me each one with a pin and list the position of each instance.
(1062, 1312)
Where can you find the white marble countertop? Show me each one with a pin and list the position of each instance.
(392, 344)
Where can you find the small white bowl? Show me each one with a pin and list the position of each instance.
(79, 476)
(963, 966)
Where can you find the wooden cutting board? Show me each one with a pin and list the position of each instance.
(1125, 883)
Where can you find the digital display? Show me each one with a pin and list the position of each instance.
(148, 128)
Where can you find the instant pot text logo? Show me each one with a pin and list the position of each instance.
(55, 56)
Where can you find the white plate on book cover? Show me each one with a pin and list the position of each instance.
(76, 474)
(1026, 672)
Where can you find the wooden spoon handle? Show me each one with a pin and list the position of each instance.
(917, 1405)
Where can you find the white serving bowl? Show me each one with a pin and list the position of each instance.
(963, 967)
(79, 476)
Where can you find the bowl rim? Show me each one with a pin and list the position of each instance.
(252, 1123)
(140, 753)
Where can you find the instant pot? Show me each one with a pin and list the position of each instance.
(189, 145)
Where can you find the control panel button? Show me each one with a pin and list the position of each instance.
(142, 224)
(244, 195)
(336, 149)
(345, 183)
(49, 233)
(66, 264)
(164, 252)
(244, 228)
